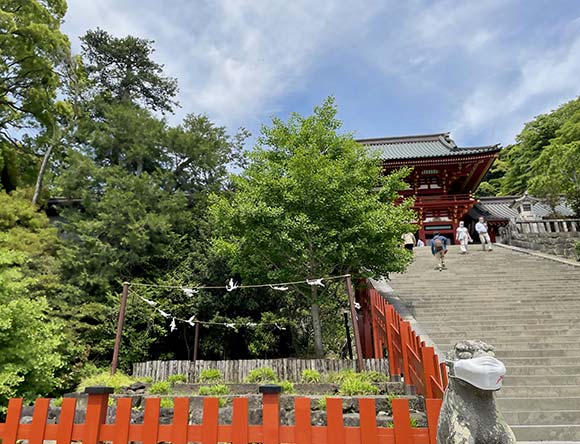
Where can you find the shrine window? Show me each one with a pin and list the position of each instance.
(429, 183)
(527, 207)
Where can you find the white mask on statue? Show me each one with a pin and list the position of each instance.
(484, 372)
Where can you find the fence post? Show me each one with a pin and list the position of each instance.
(96, 412)
(428, 360)
(392, 364)
(271, 413)
(405, 327)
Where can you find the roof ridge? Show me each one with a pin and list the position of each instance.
(416, 137)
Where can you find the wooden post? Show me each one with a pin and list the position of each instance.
(120, 323)
(196, 342)
(349, 290)
(348, 340)
(270, 413)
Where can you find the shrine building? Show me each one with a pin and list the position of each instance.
(443, 179)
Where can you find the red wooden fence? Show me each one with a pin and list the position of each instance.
(408, 354)
(95, 429)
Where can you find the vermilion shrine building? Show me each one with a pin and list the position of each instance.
(443, 179)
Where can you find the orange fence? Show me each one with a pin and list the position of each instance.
(408, 356)
(180, 431)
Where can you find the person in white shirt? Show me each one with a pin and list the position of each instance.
(481, 228)
(408, 241)
(462, 235)
(420, 243)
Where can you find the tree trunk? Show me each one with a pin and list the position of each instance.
(43, 166)
(316, 326)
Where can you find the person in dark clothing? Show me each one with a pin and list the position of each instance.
(439, 249)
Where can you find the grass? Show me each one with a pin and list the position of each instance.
(160, 388)
(214, 390)
(357, 386)
(176, 379)
(118, 382)
(264, 375)
(210, 376)
(310, 376)
(287, 387)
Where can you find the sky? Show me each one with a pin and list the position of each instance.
(478, 69)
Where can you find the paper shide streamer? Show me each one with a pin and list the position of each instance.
(231, 286)
(315, 282)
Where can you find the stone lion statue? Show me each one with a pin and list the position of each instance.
(469, 414)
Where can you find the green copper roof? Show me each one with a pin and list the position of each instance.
(429, 145)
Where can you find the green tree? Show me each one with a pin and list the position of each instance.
(33, 346)
(311, 203)
(32, 48)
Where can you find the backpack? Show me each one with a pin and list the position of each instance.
(438, 244)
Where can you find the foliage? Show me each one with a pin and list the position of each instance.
(160, 388)
(356, 386)
(32, 48)
(321, 403)
(287, 387)
(210, 375)
(262, 375)
(308, 205)
(546, 157)
(310, 376)
(577, 247)
(123, 68)
(166, 403)
(340, 376)
(118, 381)
(176, 379)
(374, 377)
(33, 343)
(214, 390)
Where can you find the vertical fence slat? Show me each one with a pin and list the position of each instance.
(271, 418)
(66, 421)
(240, 421)
(402, 421)
(151, 421)
(39, 421)
(95, 417)
(122, 421)
(433, 407)
(12, 421)
(209, 426)
(368, 421)
(302, 421)
(335, 424)
(180, 420)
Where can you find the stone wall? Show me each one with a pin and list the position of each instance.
(557, 243)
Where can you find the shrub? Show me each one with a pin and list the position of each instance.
(210, 376)
(264, 375)
(57, 402)
(321, 403)
(287, 387)
(339, 377)
(390, 401)
(214, 390)
(356, 386)
(117, 382)
(374, 377)
(577, 246)
(310, 376)
(160, 388)
(174, 379)
(166, 403)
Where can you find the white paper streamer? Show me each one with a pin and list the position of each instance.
(357, 305)
(281, 288)
(317, 282)
(173, 325)
(189, 292)
(147, 301)
(231, 286)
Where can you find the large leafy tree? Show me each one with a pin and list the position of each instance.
(311, 203)
(31, 48)
(33, 342)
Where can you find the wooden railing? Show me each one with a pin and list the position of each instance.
(409, 357)
(95, 428)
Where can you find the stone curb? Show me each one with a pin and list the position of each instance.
(539, 254)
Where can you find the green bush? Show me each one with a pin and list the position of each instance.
(339, 377)
(375, 377)
(577, 250)
(166, 403)
(287, 387)
(210, 376)
(174, 379)
(310, 376)
(214, 390)
(321, 403)
(160, 388)
(117, 382)
(264, 375)
(57, 402)
(356, 386)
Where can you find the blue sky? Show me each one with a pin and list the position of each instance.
(479, 69)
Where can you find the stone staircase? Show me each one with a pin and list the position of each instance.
(528, 307)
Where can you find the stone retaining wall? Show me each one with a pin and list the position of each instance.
(559, 244)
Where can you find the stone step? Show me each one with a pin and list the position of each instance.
(511, 330)
(546, 417)
(519, 380)
(493, 340)
(544, 370)
(541, 361)
(538, 404)
(527, 353)
(536, 433)
(486, 324)
(539, 391)
(516, 345)
(503, 317)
